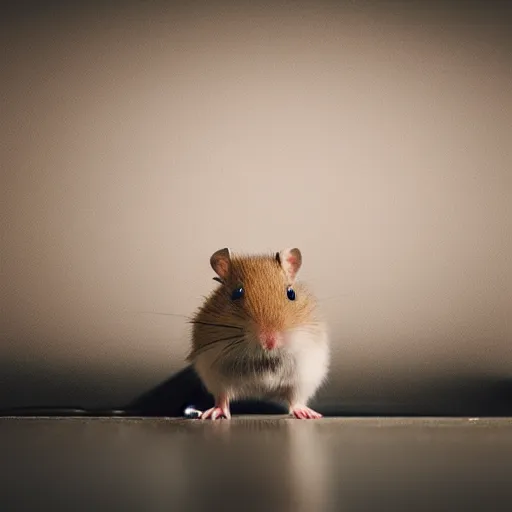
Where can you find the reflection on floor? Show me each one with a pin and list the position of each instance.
(266, 463)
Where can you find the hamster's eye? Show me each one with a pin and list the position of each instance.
(237, 293)
(290, 293)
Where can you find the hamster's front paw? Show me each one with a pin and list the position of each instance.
(216, 413)
(301, 412)
(220, 410)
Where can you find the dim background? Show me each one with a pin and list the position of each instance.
(137, 138)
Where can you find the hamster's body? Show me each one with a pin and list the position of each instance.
(258, 335)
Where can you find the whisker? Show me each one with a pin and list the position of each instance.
(310, 327)
(219, 340)
(216, 325)
(228, 349)
(234, 342)
(331, 297)
(164, 314)
(210, 344)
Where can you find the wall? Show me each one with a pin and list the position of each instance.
(137, 140)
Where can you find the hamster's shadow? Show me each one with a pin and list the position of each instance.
(185, 388)
(483, 397)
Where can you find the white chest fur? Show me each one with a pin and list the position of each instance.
(309, 348)
(302, 366)
(298, 368)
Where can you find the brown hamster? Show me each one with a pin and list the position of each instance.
(258, 335)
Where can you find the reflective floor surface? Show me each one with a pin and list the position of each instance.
(256, 463)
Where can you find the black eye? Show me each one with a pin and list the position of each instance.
(238, 293)
(290, 293)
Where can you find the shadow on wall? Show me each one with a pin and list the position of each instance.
(184, 389)
(455, 397)
(474, 397)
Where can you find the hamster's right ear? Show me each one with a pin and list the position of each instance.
(221, 263)
(291, 261)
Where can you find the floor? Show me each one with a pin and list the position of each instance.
(256, 463)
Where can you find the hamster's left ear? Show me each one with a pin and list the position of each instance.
(221, 263)
(291, 261)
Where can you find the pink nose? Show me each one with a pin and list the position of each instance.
(268, 340)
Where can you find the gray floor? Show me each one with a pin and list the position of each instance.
(256, 463)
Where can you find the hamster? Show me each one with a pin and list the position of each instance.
(259, 334)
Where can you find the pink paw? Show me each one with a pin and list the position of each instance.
(216, 413)
(305, 413)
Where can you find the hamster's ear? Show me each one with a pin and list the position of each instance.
(221, 262)
(291, 261)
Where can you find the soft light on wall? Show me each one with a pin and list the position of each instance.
(136, 141)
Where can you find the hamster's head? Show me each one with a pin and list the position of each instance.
(260, 293)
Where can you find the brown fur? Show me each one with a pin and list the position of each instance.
(264, 306)
(262, 344)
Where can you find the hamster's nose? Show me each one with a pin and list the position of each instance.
(268, 339)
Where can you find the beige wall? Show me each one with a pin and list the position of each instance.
(136, 142)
